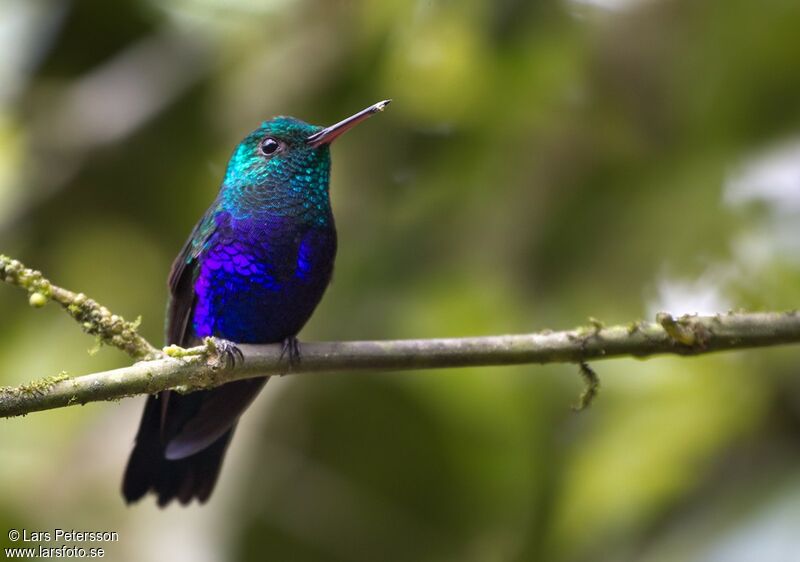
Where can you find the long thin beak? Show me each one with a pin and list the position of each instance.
(328, 134)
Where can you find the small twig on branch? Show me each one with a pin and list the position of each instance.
(591, 386)
(94, 318)
(202, 367)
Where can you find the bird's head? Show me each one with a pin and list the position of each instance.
(285, 163)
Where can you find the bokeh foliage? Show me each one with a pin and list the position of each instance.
(542, 162)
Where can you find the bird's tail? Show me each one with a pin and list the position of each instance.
(183, 479)
(182, 440)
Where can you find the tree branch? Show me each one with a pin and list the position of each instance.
(203, 367)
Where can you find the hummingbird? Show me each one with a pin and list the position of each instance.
(252, 271)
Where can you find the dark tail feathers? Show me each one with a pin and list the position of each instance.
(184, 479)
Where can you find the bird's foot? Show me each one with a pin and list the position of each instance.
(228, 353)
(290, 349)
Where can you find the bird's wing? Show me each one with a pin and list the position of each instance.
(181, 280)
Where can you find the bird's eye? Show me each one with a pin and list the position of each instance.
(269, 146)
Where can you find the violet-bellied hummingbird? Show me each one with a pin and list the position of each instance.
(252, 271)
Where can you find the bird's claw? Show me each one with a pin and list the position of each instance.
(228, 352)
(291, 349)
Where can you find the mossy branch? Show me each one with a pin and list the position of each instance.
(94, 318)
(204, 367)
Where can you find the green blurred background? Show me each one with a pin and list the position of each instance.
(543, 161)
